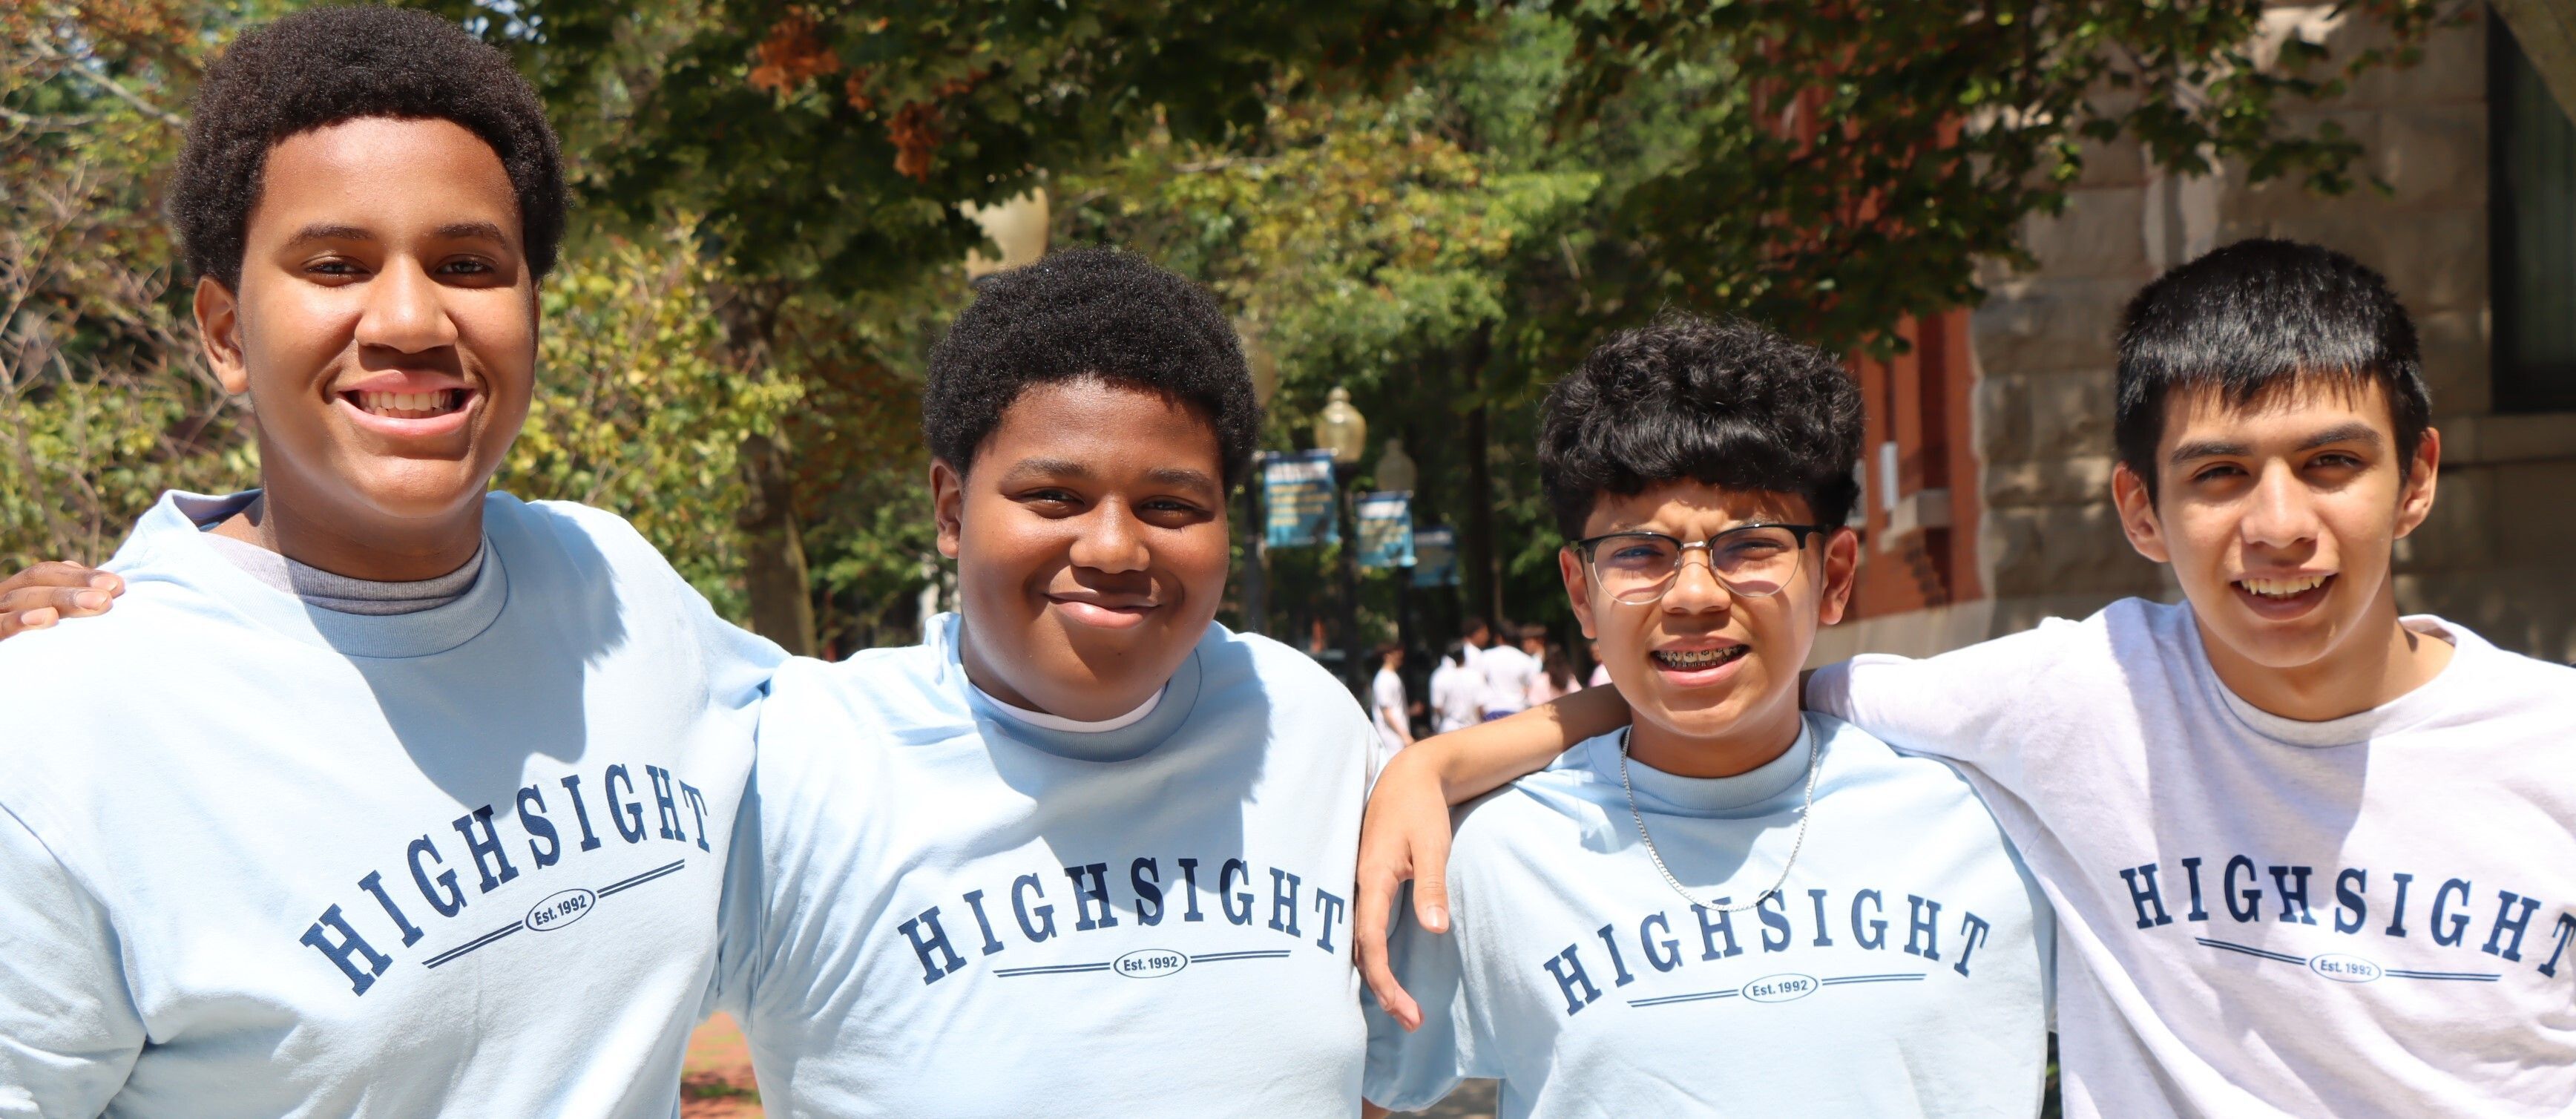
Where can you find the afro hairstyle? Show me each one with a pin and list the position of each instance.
(2251, 318)
(1721, 402)
(1084, 314)
(316, 68)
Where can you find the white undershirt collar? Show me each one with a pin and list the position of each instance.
(1076, 726)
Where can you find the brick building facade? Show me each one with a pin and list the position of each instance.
(1988, 491)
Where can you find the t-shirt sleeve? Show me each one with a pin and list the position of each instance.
(69, 1033)
(1412, 1071)
(1953, 705)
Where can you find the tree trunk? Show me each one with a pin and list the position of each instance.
(782, 601)
(1483, 582)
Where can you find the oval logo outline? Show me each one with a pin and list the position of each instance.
(2344, 967)
(1150, 963)
(561, 908)
(1788, 986)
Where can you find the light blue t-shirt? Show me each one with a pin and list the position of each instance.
(1903, 970)
(965, 914)
(259, 858)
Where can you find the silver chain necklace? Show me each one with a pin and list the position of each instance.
(1804, 814)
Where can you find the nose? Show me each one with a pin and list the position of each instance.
(2282, 512)
(1695, 587)
(406, 311)
(1111, 540)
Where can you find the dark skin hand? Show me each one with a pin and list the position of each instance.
(47, 593)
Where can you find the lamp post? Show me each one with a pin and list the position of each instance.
(1396, 471)
(1341, 430)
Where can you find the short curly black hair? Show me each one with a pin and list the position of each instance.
(1085, 313)
(316, 68)
(1722, 402)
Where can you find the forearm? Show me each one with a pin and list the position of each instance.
(1477, 760)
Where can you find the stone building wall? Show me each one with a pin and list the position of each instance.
(2499, 552)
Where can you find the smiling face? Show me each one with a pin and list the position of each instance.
(1710, 676)
(385, 329)
(1091, 546)
(2279, 518)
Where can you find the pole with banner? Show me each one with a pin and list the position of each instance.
(1297, 499)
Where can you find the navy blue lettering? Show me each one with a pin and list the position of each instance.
(1569, 977)
(2191, 870)
(2252, 909)
(1773, 922)
(488, 846)
(532, 820)
(932, 970)
(1709, 931)
(665, 802)
(627, 815)
(2146, 897)
(1190, 890)
(2505, 920)
(2459, 921)
(1617, 965)
(1331, 910)
(2397, 914)
(1876, 937)
(2294, 899)
(1147, 877)
(2352, 909)
(1225, 874)
(374, 883)
(975, 901)
(2566, 933)
(1824, 939)
(1043, 924)
(1924, 915)
(351, 944)
(1972, 932)
(580, 813)
(698, 810)
(1084, 897)
(455, 899)
(1283, 901)
(1665, 954)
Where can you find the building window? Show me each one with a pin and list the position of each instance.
(2532, 215)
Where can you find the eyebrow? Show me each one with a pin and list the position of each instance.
(460, 230)
(1029, 469)
(2340, 433)
(324, 231)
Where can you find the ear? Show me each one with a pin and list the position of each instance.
(219, 331)
(2415, 502)
(948, 505)
(2138, 514)
(1842, 570)
(1578, 589)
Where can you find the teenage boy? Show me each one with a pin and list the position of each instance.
(1847, 923)
(1084, 851)
(378, 794)
(1387, 703)
(2309, 857)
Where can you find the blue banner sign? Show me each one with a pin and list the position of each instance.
(1297, 499)
(1435, 558)
(1386, 528)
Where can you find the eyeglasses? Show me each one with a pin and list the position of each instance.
(1753, 561)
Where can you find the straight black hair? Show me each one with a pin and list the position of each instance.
(2259, 317)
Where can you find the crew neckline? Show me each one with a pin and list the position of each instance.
(1750, 793)
(170, 533)
(1074, 726)
(2416, 706)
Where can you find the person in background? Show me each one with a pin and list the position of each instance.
(1600, 671)
(1457, 691)
(1555, 677)
(1508, 669)
(1387, 706)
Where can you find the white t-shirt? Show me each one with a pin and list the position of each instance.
(1457, 694)
(1386, 709)
(258, 858)
(1901, 971)
(1507, 678)
(2368, 916)
(963, 914)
